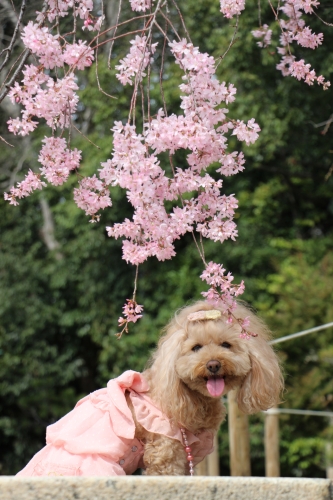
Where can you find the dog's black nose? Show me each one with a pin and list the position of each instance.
(213, 365)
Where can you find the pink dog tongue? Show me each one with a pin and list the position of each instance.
(215, 386)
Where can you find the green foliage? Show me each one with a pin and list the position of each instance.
(304, 456)
(300, 294)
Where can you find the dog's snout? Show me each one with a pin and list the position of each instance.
(213, 365)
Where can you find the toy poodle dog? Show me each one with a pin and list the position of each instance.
(165, 419)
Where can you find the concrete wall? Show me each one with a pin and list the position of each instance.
(164, 488)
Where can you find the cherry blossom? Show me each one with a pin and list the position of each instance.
(92, 196)
(57, 160)
(132, 312)
(265, 34)
(83, 8)
(43, 44)
(136, 60)
(140, 5)
(201, 129)
(168, 200)
(31, 182)
(56, 101)
(294, 29)
(152, 231)
(92, 23)
(308, 5)
(231, 8)
(78, 54)
(221, 288)
(58, 8)
(248, 133)
(307, 39)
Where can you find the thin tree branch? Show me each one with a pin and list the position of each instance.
(25, 54)
(232, 42)
(115, 31)
(79, 131)
(322, 20)
(9, 49)
(182, 20)
(4, 140)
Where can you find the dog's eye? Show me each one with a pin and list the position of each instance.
(196, 348)
(226, 345)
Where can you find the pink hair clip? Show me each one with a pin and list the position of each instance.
(204, 315)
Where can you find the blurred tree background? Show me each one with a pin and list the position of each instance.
(63, 282)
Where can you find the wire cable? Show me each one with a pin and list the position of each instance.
(277, 411)
(300, 334)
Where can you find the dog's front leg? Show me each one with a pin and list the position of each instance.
(165, 457)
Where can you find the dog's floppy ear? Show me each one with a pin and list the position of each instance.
(167, 390)
(164, 360)
(263, 384)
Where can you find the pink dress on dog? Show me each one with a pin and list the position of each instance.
(97, 437)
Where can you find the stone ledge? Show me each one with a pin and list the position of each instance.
(164, 488)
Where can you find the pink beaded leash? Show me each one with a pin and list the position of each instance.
(188, 451)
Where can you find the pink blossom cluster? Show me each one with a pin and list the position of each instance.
(221, 288)
(42, 43)
(232, 164)
(92, 195)
(301, 71)
(265, 34)
(248, 133)
(78, 55)
(43, 97)
(136, 60)
(306, 5)
(135, 166)
(201, 104)
(60, 8)
(152, 231)
(83, 8)
(222, 292)
(57, 162)
(31, 182)
(167, 200)
(92, 23)
(56, 8)
(294, 27)
(231, 8)
(307, 39)
(50, 52)
(132, 312)
(140, 5)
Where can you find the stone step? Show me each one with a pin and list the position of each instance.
(164, 488)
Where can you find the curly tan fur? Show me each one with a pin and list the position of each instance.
(177, 376)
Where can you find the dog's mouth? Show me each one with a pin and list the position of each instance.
(215, 385)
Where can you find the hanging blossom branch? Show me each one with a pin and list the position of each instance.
(48, 91)
(131, 310)
(294, 29)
